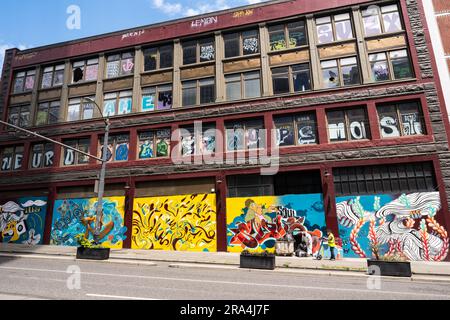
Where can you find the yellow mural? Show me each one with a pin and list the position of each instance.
(176, 223)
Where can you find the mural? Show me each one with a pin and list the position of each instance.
(177, 223)
(404, 223)
(255, 223)
(74, 216)
(23, 221)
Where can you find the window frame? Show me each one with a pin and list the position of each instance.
(117, 99)
(198, 139)
(380, 16)
(86, 64)
(55, 69)
(198, 44)
(286, 32)
(158, 57)
(333, 27)
(26, 74)
(154, 136)
(13, 157)
(390, 65)
(291, 78)
(81, 108)
(114, 137)
(157, 88)
(397, 106)
(341, 74)
(198, 87)
(21, 108)
(77, 155)
(49, 105)
(45, 149)
(347, 124)
(246, 125)
(241, 43)
(294, 122)
(242, 84)
(120, 60)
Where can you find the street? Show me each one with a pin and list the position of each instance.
(53, 279)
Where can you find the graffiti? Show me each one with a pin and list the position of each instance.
(128, 65)
(389, 127)
(133, 34)
(23, 221)
(72, 217)
(9, 163)
(357, 131)
(41, 159)
(411, 124)
(404, 223)
(250, 45)
(163, 143)
(243, 13)
(165, 100)
(177, 223)
(26, 56)
(207, 53)
(125, 105)
(203, 22)
(307, 135)
(256, 223)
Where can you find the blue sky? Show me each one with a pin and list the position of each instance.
(32, 23)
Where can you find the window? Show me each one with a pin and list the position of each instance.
(42, 155)
(295, 78)
(154, 144)
(402, 119)
(86, 70)
(53, 76)
(24, 81)
(158, 58)
(47, 113)
(241, 43)
(120, 65)
(80, 109)
(285, 36)
(11, 158)
(390, 65)
(300, 129)
(72, 158)
(117, 103)
(244, 135)
(199, 51)
(118, 148)
(341, 72)
(378, 21)
(197, 92)
(164, 101)
(243, 86)
(348, 125)
(19, 115)
(198, 142)
(334, 28)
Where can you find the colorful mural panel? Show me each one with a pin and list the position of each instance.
(397, 224)
(255, 223)
(72, 217)
(23, 220)
(176, 223)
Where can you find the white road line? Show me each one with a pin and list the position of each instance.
(116, 297)
(239, 283)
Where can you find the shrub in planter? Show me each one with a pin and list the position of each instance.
(253, 260)
(90, 251)
(393, 264)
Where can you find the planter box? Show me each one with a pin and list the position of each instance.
(93, 253)
(389, 268)
(266, 262)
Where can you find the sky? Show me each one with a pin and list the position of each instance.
(26, 24)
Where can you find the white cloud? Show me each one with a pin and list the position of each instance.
(167, 7)
(200, 7)
(254, 1)
(4, 47)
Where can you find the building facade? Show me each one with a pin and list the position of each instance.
(355, 140)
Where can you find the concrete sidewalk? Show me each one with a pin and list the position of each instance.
(223, 258)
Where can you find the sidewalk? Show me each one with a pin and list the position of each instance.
(223, 258)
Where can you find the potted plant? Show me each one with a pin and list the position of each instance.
(90, 251)
(255, 260)
(393, 264)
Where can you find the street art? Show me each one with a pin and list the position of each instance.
(207, 53)
(250, 45)
(72, 217)
(175, 223)
(23, 220)
(255, 223)
(204, 22)
(405, 224)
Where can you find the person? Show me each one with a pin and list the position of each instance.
(331, 244)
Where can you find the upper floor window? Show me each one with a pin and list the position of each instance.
(19, 115)
(24, 81)
(340, 72)
(154, 144)
(291, 78)
(381, 20)
(401, 119)
(11, 158)
(334, 28)
(348, 125)
(80, 109)
(86, 70)
(73, 158)
(117, 103)
(120, 65)
(390, 65)
(198, 142)
(42, 155)
(300, 129)
(244, 135)
(243, 85)
(198, 92)
(157, 98)
(118, 148)
(199, 51)
(285, 36)
(158, 58)
(47, 113)
(53, 76)
(241, 43)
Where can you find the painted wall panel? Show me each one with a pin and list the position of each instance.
(75, 216)
(175, 223)
(404, 223)
(255, 223)
(23, 220)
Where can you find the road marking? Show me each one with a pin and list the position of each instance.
(236, 283)
(116, 297)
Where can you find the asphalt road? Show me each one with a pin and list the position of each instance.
(26, 278)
